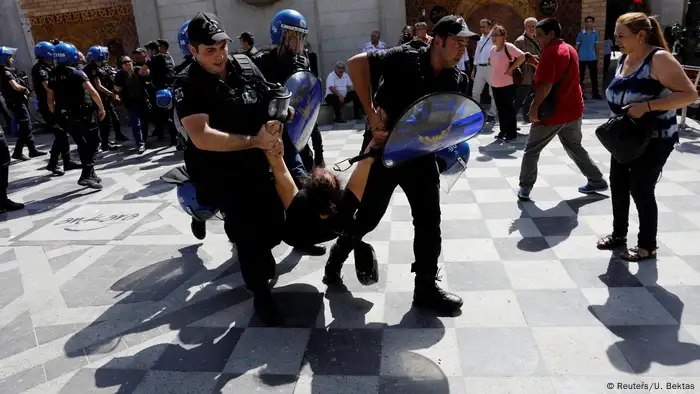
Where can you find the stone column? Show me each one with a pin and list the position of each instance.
(596, 9)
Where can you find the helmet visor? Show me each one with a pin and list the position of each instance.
(294, 38)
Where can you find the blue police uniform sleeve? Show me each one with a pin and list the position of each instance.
(385, 61)
(80, 75)
(9, 75)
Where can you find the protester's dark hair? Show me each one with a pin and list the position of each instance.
(501, 29)
(638, 21)
(324, 191)
(549, 25)
(250, 40)
(589, 18)
(163, 43)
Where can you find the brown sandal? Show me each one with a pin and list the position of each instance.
(609, 242)
(633, 255)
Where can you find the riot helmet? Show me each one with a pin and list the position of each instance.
(183, 39)
(66, 53)
(6, 54)
(44, 50)
(289, 30)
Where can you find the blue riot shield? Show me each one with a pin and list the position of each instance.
(452, 162)
(435, 122)
(307, 95)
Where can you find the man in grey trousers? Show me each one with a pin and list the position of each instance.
(557, 66)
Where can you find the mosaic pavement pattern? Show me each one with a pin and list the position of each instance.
(108, 292)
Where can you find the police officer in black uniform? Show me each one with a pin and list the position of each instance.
(161, 69)
(279, 63)
(407, 74)
(71, 95)
(221, 102)
(40, 79)
(15, 89)
(102, 82)
(6, 205)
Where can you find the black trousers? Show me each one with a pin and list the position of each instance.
(61, 145)
(107, 124)
(317, 143)
(505, 105)
(420, 181)
(163, 123)
(4, 167)
(638, 179)
(334, 101)
(6, 116)
(4, 149)
(83, 128)
(592, 67)
(26, 137)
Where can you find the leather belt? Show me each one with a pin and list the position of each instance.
(482, 65)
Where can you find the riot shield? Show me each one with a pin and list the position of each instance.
(433, 123)
(452, 162)
(307, 95)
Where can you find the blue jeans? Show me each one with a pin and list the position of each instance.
(135, 123)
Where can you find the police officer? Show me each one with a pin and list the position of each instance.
(288, 32)
(223, 106)
(161, 69)
(6, 205)
(15, 90)
(407, 74)
(101, 81)
(70, 94)
(43, 51)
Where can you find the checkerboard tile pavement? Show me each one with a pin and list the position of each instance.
(148, 309)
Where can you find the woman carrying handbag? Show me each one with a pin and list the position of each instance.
(649, 83)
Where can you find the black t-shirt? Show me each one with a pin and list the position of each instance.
(303, 212)
(69, 92)
(407, 75)
(40, 74)
(162, 67)
(132, 90)
(11, 95)
(197, 91)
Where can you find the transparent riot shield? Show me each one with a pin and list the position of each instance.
(452, 162)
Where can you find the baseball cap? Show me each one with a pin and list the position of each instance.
(452, 25)
(206, 29)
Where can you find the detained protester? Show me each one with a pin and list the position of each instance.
(408, 74)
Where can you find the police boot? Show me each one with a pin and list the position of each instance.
(199, 229)
(266, 308)
(427, 294)
(94, 176)
(87, 180)
(339, 253)
(54, 167)
(69, 164)
(312, 250)
(366, 266)
(6, 205)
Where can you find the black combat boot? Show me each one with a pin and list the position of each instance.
(427, 294)
(312, 250)
(94, 176)
(266, 308)
(6, 205)
(69, 164)
(54, 167)
(366, 266)
(339, 253)
(87, 180)
(199, 229)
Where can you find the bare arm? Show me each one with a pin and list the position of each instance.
(50, 99)
(16, 86)
(674, 78)
(360, 77)
(358, 179)
(207, 138)
(284, 183)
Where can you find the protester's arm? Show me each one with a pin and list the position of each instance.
(284, 183)
(358, 179)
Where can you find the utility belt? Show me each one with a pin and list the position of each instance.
(83, 111)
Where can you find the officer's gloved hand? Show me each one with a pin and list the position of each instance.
(269, 136)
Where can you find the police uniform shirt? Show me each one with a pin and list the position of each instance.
(40, 74)
(8, 74)
(93, 71)
(69, 92)
(189, 59)
(197, 91)
(162, 67)
(278, 68)
(407, 76)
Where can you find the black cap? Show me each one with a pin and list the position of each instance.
(246, 35)
(206, 29)
(452, 25)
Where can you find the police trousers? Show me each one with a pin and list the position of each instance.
(61, 145)
(420, 181)
(163, 122)
(26, 137)
(109, 123)
(4, 166)
(317, 143)
(82, 127)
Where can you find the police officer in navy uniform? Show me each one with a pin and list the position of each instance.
(407, 74)
(101, 81)
(43, 51)
(71, 96)
(288, 32)
(161, 70)
(15, 90)
(222, 107)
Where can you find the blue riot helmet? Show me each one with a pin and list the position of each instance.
(65, 53)
(164, 98)
(187, 197)
(97, 54)
(6, 53)
(104, 52)
(289, 28)
(183, 39)
(44, 50)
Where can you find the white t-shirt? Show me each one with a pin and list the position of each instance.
(340, 83)
(369, 47)
(462, 65)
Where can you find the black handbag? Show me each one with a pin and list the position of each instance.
(624, 137)
(549, 104)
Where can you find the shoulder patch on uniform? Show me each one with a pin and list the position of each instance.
(178, 94)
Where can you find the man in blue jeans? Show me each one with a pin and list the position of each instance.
(134, 96)
(587, 48)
